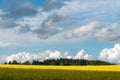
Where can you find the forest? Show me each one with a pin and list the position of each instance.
(62, 61)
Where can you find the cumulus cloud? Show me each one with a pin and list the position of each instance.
(83, 55)
(25, 56)
(67, 55)
(96, 30)
(54, 55)
(111, 54)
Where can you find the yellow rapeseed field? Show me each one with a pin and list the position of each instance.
(86, 68)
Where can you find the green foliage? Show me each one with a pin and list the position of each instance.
(36, 74)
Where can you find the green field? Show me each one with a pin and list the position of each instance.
(43, 74)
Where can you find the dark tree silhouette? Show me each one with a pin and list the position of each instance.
(14, 62)
(63, 61)
(27, 63)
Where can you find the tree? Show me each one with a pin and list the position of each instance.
(14, 62)
(27, 63)
(10, 62)
(63, 61)
(5, 63)
(35, 62)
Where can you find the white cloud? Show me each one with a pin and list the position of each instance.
(26, 56)
(81, 31)
(32, 18)
(111, 54)
(55, 55)
(67, 55)
(95, 9)
(83, 55)
(108, 33)
(108, 54)
(82, 11)
(20, 57)
(96, 30)
(4, 44)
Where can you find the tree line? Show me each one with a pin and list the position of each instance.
(62, 62)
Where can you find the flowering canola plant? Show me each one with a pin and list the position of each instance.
(84, 68)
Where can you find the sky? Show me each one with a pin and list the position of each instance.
(52, 29)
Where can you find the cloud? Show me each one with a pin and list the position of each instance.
(26, 56)
(83, 55)
(50, 5)
(84, 12)
(21, 9)
(2, 12)
(54, 16)
(24, 29)
(17, 17)
(54, 55)
(108, 33)
(67, 55)
(111, 54)
(4, 44)
(47, 28)
(81, 31)
(15, 11)
(6, 23)
(96, 30)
